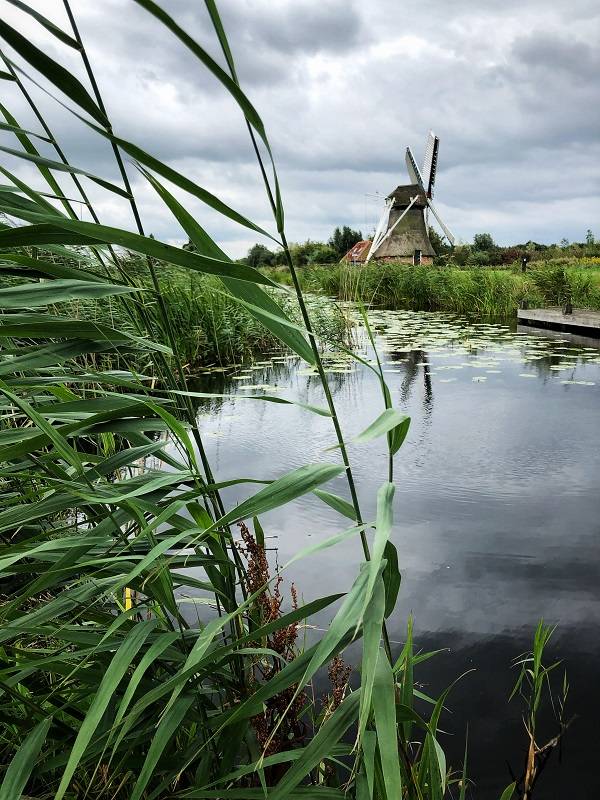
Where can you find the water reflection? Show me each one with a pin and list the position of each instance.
(496, 508)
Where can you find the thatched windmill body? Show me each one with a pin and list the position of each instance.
(402, 232)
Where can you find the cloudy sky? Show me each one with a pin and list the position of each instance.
(511, 87)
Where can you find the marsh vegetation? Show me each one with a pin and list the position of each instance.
(114, 522)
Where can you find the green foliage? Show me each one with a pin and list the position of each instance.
(439, 243)
(106, 685)
(342, 239)
(259, 255)
(483, 241)
(533, 684)
(478, 258)
(489, 291)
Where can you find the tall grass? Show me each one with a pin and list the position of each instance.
(462, 290)
(205, 321)
(111, 517)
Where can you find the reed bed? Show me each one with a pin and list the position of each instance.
(487, 291)
(207, 324)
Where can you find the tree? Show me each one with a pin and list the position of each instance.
(342, 239)
(322, 254)
(437, 242)
(483, 242)
(564, 242)
(259, 256)
(589, 237)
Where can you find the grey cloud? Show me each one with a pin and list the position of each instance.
(343, 87)
(551, 52)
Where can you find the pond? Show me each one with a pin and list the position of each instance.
(496, 511)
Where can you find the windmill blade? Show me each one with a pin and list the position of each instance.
(381, 229)
(448, 234)
(375, 247)
(431, 156)
(428, 158)
(413, 171)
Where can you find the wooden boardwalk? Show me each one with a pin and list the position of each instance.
(581, 321)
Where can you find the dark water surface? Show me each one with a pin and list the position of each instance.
(496, 513)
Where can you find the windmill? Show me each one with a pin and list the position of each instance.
(401, 234)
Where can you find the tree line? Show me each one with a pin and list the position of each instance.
(483, 251)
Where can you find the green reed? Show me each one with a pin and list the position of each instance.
(480, 290)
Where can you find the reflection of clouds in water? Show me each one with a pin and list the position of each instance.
(496, 483)
(495, 509)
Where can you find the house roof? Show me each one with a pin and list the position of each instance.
(359, 251)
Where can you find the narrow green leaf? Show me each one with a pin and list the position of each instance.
(397, 435)
(24, 760)
(186, 184)
(59, 166)
(508, 792)
(383, 529)
(330, 541)
(163, 736)
(384, 706)
(4, 126)
(257, 301)
(103, 696)
(29, 147)
(336, 502)
(62, 447)
(319, 747)
(323, 412)
(282, 491)
(463, 780)
(387, 421)
(74, 232)
(391, 577)
(37, 197)
(373, 622)
(39, 268)
(44, 22)
(59, 291)
(54, 72)
(369, 746)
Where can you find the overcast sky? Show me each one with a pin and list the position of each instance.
(511, 87)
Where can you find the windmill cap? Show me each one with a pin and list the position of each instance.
(402, 195)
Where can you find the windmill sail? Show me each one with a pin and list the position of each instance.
(403, 230)
(449, 235)
(413, 170)
(430, 162)
(381, 229)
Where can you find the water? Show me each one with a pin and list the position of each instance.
(496, 512)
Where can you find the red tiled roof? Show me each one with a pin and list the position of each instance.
(358, 252)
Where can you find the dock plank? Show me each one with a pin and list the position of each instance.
(582, 321)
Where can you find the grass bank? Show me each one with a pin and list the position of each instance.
(487, 291)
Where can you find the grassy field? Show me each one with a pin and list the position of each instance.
(488, 291)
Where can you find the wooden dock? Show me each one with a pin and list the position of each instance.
(582, 321)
